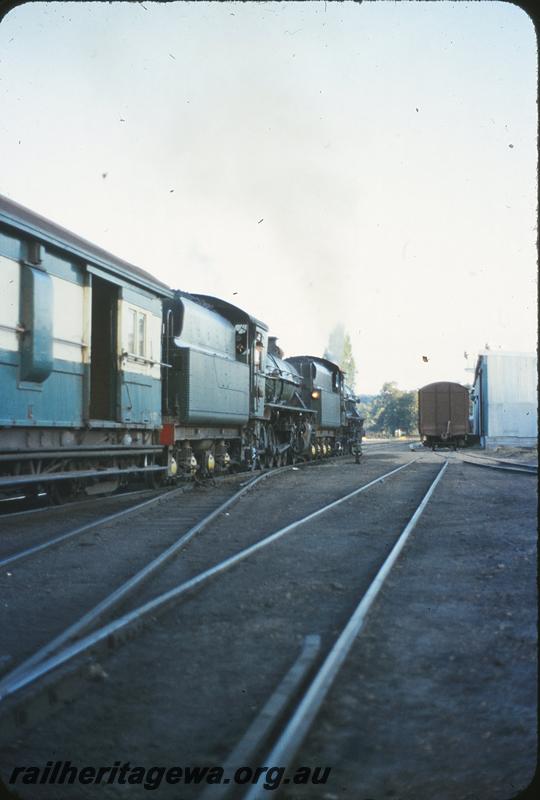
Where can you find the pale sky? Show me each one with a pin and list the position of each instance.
(372, 164)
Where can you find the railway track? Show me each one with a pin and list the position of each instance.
(46, 505)
(41, 503)
(370, 445)
(39, 674)
(489, 462)
(9, 559)
(207, 509)
(54, 514)
(499, 463)
(286, 728)
(219, 675)
(197, 510)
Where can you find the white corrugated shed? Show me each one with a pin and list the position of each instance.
(506, 396)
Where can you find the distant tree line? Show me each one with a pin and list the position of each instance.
(390, 410)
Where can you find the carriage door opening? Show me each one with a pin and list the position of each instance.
(103, 347)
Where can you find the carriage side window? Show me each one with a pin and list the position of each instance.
(137, 333)
(141, 334)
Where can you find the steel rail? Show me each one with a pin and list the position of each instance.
(525, 469)
(379, 442)
(247, 749)
(86, 527)
(301, 720)
(507, 466)
(63, 537)
(71, 504)
(376, 448)
(484, 457)
(40, 664)
(120, 593)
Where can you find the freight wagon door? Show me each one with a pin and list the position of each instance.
(103, 349)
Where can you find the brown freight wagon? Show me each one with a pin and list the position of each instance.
(443, 414)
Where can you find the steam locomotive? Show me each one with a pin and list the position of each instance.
(106, 372)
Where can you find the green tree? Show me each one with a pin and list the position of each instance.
(365, 411)
(339, 350)
(347, 361)
(393, 408)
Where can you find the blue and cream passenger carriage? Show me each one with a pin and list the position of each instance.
(80, 358)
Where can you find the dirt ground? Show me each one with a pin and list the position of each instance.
(527, 455)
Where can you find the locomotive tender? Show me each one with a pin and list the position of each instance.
(106, 371)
